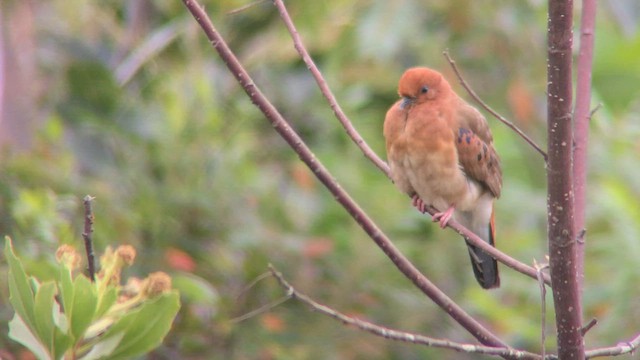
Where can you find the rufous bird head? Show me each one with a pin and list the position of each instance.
(420, 84)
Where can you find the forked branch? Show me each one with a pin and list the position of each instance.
(397, 335)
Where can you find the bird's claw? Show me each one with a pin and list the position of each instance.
(419, 204)
(444, 217)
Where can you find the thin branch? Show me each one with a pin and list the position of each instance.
(582, 117)
(260, 310)
(543, 306)
(245, 7)
(252, 284)
(397, 335)
(371, 155)
(585, 329)
(620, 349)
(297, 144)
(326, 91)
(475, 97)
(561, 230)
(86, 236)
(494, 252)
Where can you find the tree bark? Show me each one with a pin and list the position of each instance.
(560, 195)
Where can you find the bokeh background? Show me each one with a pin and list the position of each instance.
(126, 101)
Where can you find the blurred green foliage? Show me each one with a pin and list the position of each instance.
(134, 107)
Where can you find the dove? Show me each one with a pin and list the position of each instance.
(440, 152)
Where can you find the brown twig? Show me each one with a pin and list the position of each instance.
(475, 97)
(621, 349)
(585, 329)
(371, 155)
(326, 91)
(86, 236)
(297, 144)
(397, 335)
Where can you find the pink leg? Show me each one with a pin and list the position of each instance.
(419, 204)
(444, 217)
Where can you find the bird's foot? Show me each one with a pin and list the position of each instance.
(444, 217)
(418, 203)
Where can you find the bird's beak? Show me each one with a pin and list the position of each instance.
(406, 101)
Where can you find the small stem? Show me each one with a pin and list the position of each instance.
(86, 236)
(490, 110)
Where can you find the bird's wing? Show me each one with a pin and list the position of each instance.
(476, 154)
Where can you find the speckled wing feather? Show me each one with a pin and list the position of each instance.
(476, 153)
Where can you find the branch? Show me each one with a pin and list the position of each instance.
(489, 109)
(494, 252)
(326, 91)
(371, 155)
(620, 349)
(582, 116)
(86, 236)
(560, 206)
(543, 306)
(297, 144)
(395, 334)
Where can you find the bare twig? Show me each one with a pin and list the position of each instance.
(581, 124)
(543, 306)
(475, 97)
(585, 329)
(260, 310)
(326, 91)
(252, 284)
(397, 335)
(561, 228)
(297, 144)
(621, 349)
(245, 7)
(86, 236)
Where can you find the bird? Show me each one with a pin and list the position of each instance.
(440, 152)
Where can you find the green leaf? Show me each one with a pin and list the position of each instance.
(106, 301)
(20, 332)
(144, 328)
(65, 286)
(43, 313)
(104, 348)
(84, 306)
(21, 294)
(195, 289)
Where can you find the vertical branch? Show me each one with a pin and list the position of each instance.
(86, 236)
(581, 117)
(560, 212)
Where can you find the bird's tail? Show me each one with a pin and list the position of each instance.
(485, 267)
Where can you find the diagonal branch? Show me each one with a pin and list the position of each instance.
(396, 334)
(368, 152)
(297, 144)
(490, 110)
(326, 91)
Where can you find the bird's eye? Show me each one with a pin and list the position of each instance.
(424, 89)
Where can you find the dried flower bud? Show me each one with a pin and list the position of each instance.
(67, 255)
(126, 253)
(155, 284)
